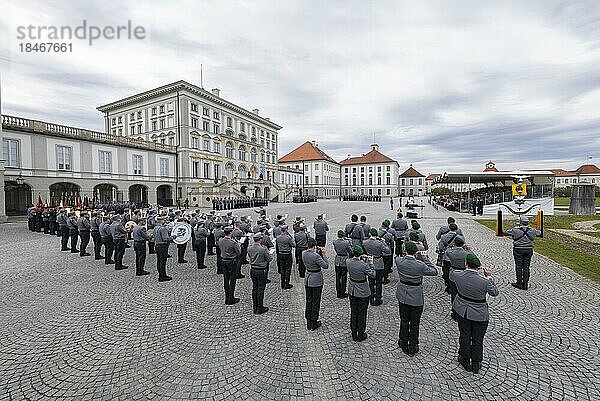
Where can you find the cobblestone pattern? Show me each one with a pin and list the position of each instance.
(73, 328)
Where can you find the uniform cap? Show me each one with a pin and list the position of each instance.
(312, 242)
(341, 233)
(357, 250)
(374, 232)
(363, 218)
(228, 229)
(413, 236)
(284, 227)
(415, 224)
(524, 220)
(411, 247)
(473, 260)
(459, 240)
(451, 220)
(453, 227)
(257, 236)
(400, 215)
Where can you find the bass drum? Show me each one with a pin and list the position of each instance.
(183, 231)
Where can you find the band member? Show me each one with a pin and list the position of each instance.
(376, 247)
(472, 310)
(83, 227)
(321, 228)
(151, 224)
(523, 237)
(454, 258)
(162, 239)
(200, 236)
(359, 268)
(230, 253)
(444, 242)
(354, 231)
(285, 243)
(343, 251)
(416, 227)
(62, 220)
(315, 260)
(388, 235)
(95, 233)
(260, 257)
(181, 247)
(107, 241)
(73, 232)
(210, 241)
(301, 239)
(409, 292)
(119, 236)
(140, 237)
(400, 226)
(218, 234)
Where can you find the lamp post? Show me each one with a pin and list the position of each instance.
(20, 179)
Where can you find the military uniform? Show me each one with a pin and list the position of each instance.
(162, 238)
(321, 227)
(260, 257)
(355, 232)
(388, 256)
(376, 247)
(95, 233)
(523, 237)
(443, 244)
(61, 219)
(230, 253)
(359, 292)
(73, 233)
(218, 234)
(119, 235)
(200, 236)
(343, 251)
(313, 283)
(83, 227)
(473, 314)
(285, 243)
(107, 241)
(454, 258)
(400, 226)
(140, 237)
(301, 239)
(409, 294)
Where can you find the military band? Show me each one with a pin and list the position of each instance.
(365, 257)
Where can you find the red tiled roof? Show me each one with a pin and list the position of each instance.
(432, 177)
(411, 172)
(306, 151)
(374, 156)
(587, 169)
(559, 172)
(488, 169)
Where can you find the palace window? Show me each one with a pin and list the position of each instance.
(164, 167)
(63, 157)
(105, 158)
(137, 164)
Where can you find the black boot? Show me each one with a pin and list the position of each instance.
(517, 285)
(475, 366)
(465, 363)
(403, 345)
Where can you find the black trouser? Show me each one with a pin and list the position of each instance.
(358, 315)
(38, 224)
(398, 246)
(46, 227)
(74, 234)
(229, 278)
(341, 280)
(200, 252)
(97, 244)
(285, 263)
(321, 240)
(301, 267)
(241, 259)
(151, 247)
(388, 262)
(119, 245)
(410, 318)
(108, 249)
(259, 282)
(522, 261)
(446, 273)
(52, 228)
(376, 286)
(31, 223)
(471, 339)
(64, 240)
(210, 243)
(313, 304)
(85, 240)
(161, 259)
(181, 252)
(140, 255)
(219, 261)
(57, 230)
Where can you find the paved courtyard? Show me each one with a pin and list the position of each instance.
(73, 328)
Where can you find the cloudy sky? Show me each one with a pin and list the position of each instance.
(446, 85)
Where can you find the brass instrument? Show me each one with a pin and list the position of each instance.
(129, 226)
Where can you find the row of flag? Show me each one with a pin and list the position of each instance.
(68, 199)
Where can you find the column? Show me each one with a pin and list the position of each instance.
(3, 217)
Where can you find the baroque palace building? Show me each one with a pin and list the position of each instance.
(222, 149)
(372, 173)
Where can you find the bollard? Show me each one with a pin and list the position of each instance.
(499, 229)
(539, 222)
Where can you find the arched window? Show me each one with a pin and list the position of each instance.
(229, 168)
(242, 137)
(253, 155)
(242, 152)
(242, 171)
(229, 150)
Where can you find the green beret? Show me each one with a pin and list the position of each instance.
(374, 232)
(413, 236)
(311, 242)
(357, 250)
(459, 240)
(400, 215)
(385, 223)
(473, 260)
(411, 247)
(453, 227)
(415, 224)
(341, 233)
(451, 220)
(363, 218)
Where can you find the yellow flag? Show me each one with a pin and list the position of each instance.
(519, 189)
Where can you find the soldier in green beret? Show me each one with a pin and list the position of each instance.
(343, 250)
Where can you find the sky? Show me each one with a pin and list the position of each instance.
(444, 85)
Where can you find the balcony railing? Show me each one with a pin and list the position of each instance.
(42, 127)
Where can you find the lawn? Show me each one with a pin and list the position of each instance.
(559, 221)
(566, 201)
(580, 262)
(591, 233)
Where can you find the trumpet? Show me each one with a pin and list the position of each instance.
(321, 250)
(366, 258)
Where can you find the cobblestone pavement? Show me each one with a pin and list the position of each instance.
(73, 328)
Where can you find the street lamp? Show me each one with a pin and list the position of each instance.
(20, 179)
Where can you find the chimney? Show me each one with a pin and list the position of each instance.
(374, 147)
(314, 143)
(215, 92)
(255, 111)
